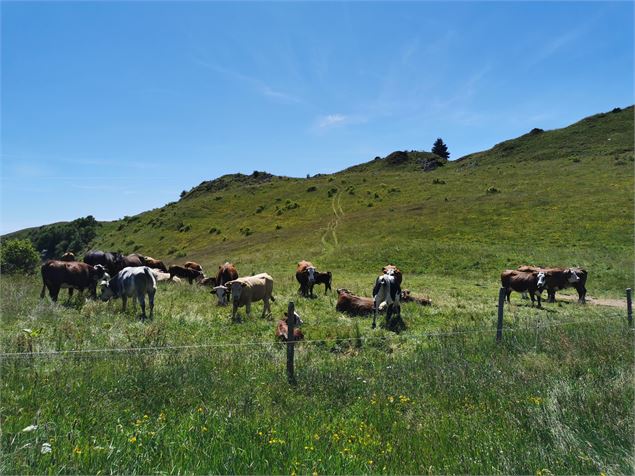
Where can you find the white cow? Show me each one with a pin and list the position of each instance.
(133, 282)
(244, 291)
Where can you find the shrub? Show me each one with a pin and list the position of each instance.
(260, 208)
(438, 181)
(172, 250)
(278, 227)
(18, 256)
(214, 231)
(180, 254)
(246, 231)
(312, 188)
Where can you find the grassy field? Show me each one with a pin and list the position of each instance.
(556, 396)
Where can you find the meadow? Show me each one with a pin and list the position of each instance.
(191, 392)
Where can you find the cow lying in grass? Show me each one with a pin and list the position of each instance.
(133, 282)
(185, 273)
(407, 296)
(282, 328)
(354, 305)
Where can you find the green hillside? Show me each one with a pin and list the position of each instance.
(561, 197)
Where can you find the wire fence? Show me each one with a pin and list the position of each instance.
(246, 344)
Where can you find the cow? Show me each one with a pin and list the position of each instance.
(325, 278)
(150, 262)
(521, 281)
(244, 291)
(386, 294)
(193, 265)
(392, 270)
(226, 272)
(209, 281)
(559, 278)
(132, 281)
(282, 328)
(186, 273)
(407, 296)
(161, 276)
(113, 262)
(68, 256)
(58, 274)
(132, 260)
(305, 274)
(351, 304)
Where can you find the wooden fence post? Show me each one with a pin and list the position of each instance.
(501, 305)
(629, 307)
(290, 342)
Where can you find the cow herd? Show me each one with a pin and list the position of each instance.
(136, 275)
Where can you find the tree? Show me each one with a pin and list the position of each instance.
(440, 149)
(18, 256)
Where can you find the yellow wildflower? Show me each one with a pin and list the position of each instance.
(77, 450)
(132, 439)
(200, 409)
(145, 417)
(391, 399)
(204, 429)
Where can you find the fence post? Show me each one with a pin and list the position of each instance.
(501, 305)
(629, 307)
(290, 342)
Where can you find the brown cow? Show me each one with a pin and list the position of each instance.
(226, 272)
(407, 296)
(282, 328)
(305, 274)
(68, 256)
(132, 260)
(209, 281)
(69, 274)
(150, 262)
(392, 270)
(186, 273)
(354, 305)
(519, 281)
(193, 265)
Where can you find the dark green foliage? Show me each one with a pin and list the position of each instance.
(438, 181)
(59, 238)
(312, 188)
(439, 148)
(18, 256)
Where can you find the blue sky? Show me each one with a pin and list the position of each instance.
(114, 108)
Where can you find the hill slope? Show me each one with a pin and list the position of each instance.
(561, 197)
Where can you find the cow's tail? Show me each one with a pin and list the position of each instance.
(150, 275)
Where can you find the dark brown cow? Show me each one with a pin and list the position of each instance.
(186, 273)
(69, 274)
(354, 305)
(150, 262)
(323, 278)
(519, 281)
(193, 265)
(559, 278)
(305, 274)
(210, 281)
(226, 272)
(133, 260)
(391, 269)
(282, 328)
(407, 296)
(68, 256)
(113, 262)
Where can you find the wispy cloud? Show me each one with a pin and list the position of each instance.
(330, 121)
(256, 84)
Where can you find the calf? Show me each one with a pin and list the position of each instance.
(210, 281)
(186, 273)
(323, 278)
(226, 272)
(150, 262)
(305, 274)
(354, 305)
(193, 265)
(559, 278)
(282, 328)
(386, 293)
(519, 281)
(69, 274)
(407, 296)
(133, 282)
(244, 291)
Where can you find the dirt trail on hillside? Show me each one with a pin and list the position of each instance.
(338, 212)
(620, 303)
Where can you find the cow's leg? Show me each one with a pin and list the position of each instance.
(389, 312)
(552, 295)
(124, 301)
(151, 300)
(533, 298)
(142, 300)
(248, 309)
(374, 317)
(43, 290)
(508, 292)
(234, 310)
(311, 290)
(54, 291)
(70, 293)
(581, 294)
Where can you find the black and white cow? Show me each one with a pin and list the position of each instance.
(386, 296)
(133, 282)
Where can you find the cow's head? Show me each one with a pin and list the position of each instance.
(99, 271)
(222, 293)
(571, 276)
(236, 289)
(298, 320)
(107, 291)
(541, 281)
(311, 272)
